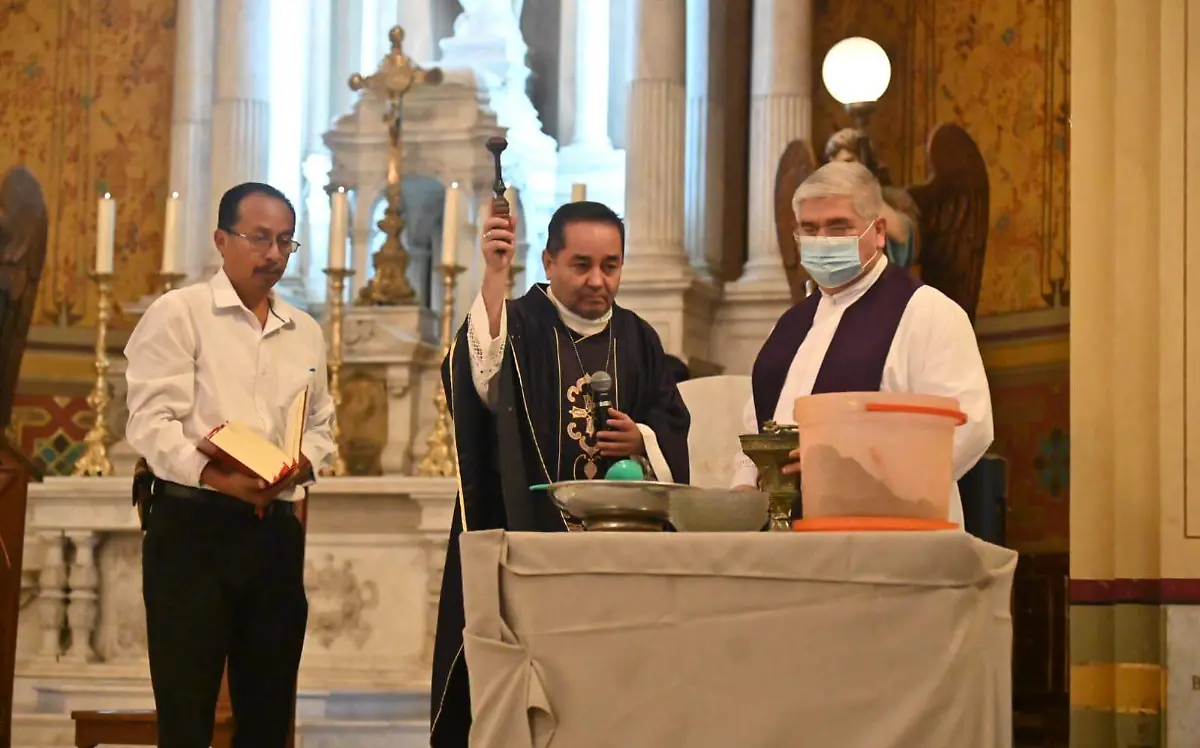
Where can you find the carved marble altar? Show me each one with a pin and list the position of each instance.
(373, 574)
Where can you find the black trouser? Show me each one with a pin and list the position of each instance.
(220, 582)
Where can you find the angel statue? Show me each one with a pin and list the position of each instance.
(23, 232)
(937, 229)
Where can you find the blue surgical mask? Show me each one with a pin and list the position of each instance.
(832, 261)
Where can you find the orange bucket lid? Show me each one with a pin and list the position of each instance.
(859, 524)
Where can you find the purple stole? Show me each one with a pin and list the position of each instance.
(857, 353)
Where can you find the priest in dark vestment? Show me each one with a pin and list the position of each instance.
(871, 327)
(518, 378)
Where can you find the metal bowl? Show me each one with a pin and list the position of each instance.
(718, 510)
(615, 505)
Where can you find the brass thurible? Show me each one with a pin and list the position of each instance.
(396, 76)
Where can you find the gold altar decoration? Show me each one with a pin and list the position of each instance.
(94, 461)
(337, 312)
(171, 281)
(439, 458)
(395, 77)
(770, 450)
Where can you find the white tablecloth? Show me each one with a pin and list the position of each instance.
(738, 640)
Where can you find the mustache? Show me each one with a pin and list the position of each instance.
(270, 270)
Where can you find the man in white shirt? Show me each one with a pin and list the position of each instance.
(223, 553)
(870, 328)
(520, 379)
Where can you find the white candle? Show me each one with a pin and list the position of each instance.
(339, 223)
(578, 192)
(170, 256)
(450, 221)
(106, 234)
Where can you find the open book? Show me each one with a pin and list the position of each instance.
(239, 448)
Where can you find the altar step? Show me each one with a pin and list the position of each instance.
(324, 719)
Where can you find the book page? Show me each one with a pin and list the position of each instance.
(297, 421)
(247, 448)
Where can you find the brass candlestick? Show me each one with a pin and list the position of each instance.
(439, 449)
(396, 76)
(514, 270)
(171, 281)
(94, 461)
(337, 310)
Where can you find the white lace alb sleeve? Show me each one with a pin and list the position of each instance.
(487, 353)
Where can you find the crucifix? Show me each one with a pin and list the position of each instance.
(396, 76)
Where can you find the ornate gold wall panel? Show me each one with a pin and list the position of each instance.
(86, 97)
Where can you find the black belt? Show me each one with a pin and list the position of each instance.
(165, 489)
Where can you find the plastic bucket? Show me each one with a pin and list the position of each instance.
(876, 460)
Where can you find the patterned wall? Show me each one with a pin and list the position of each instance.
(88, 110)
(1000, 69)
(1032, 416)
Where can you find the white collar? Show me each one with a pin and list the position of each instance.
(573, 321)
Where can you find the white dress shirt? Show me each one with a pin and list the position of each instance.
(199, 357)
(934, 352)
(487, 355)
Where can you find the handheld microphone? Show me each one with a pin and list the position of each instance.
(602, 385)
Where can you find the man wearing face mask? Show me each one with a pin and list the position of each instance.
(524, 383)
(870, 327)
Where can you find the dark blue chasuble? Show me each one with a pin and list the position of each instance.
(857, 353)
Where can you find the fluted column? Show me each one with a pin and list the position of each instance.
(591, 74)
(704, 204)
(780, 112)
(191, 128)
(655, 147)
(347, 55)
(417, 20)
(241, 114)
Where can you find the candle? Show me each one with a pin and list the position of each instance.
(450, 220)
(339, 222)
(170, 256)
(106, 234)
(578, 192)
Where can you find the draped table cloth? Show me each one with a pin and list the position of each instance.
(753, 640)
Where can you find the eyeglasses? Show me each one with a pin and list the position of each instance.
(263, 244)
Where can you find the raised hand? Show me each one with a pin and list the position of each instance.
(499, 244)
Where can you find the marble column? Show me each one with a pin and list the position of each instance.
(588, 156)
(191, 129)
(1135, 374)
(315, 163)
(346, 55)
(659, 282)
(704, 205)
(241, 113)
(591, 75)
(780, 112)
(416, 16)
(655, 147)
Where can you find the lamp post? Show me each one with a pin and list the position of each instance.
(856, 73)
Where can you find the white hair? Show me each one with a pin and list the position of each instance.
(843, 179)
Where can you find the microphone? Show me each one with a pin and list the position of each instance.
(602, 385)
